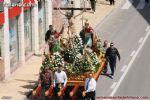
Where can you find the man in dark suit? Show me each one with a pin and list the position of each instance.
(147, 1)
(48, 33)
(111, 56)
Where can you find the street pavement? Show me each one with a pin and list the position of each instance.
(137, 81)
(127, 28)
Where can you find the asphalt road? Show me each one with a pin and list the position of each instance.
(126, 27)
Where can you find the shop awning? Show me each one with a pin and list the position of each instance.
(1, 18)
(14, 11)
(28, 2)
(32, 1)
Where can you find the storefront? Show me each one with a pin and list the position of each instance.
(1, 7)
(13, 45)
(1, 56)
(20, 36)
(28, 32)
(1, 40)
(0, 47)
(41, 21)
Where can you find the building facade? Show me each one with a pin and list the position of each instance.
(22, 31)
(23, 28)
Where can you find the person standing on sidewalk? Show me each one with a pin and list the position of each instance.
(93, 4)
(105, 46)
(112, 2)
(48, 33)
(111, 56)
(90, 87)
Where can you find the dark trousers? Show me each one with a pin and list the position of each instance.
(45, 85)
(112, 2)
(93, 4)
(147, 1)
(90, 96)
(105, 68)
(112, 64)
(56, 90)
(57, 87)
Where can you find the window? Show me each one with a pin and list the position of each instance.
(28, 31)
(42, 23)
(1, 6)
(0, 49)
(13, 37)
(1, 41)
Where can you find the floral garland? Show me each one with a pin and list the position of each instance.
(98, 47)
(75, 59)
(57, 59)
(77, 43)
(48, 62)
(75, 48)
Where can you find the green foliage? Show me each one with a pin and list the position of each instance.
(47, 62)
(75, 48)
(98, 47)
(57, 59)
(76, 61)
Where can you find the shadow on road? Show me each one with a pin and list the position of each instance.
(145, 12)
(107, 75)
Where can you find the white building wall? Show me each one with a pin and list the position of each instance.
(21, 38)
(1, 40)
(35, 32)
(5, 44)
(77, 5)
(48, 10)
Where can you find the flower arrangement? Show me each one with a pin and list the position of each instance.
(75, 48)
(75, 58)
(77, 43)
(48, 62)
(95, 61)
(77, 61)
(90, 62)
(98, 47)
(86, 62)
(69, 55)
(57, 59)
(56, 47)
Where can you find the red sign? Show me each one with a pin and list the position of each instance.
(1, 18)
(28, 4)
(14, 11)
(1, 1)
